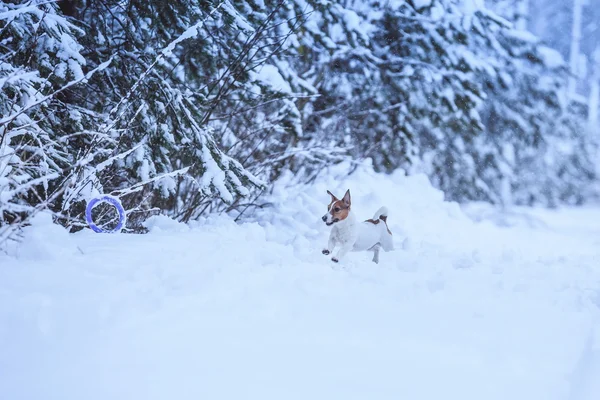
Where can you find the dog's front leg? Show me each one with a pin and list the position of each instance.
(330, 246)
(346, 247)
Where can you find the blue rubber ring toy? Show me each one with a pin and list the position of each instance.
(115, 203)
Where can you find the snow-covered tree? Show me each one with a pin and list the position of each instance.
(190, 106)
(164, 84)
(431, 55)
(40, 64)
(397, 83)
(537, 133)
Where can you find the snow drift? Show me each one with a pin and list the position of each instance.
(461, 310)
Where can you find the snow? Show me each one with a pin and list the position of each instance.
(351, 19)
(69, 52)
(44, 240)
(524, 36)
(470, 6)
(421, 4)
(551, 57)
(239, 20)
(473, 304)
(269, 75)
(189, 33)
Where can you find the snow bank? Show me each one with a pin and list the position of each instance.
(43, 240)
(159, 223)
(462, 310)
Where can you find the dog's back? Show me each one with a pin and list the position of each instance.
(374, 231)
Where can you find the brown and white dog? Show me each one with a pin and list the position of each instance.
(348, 234)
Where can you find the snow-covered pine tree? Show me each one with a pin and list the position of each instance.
(518, 125)
(193, 86)
(300, 61)
(252, 101)
(396, 82)
(40, 64)
(429, 55)
(159, 93)
(332, 67)
(534, 136)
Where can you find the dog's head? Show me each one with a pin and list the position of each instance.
(337, 210)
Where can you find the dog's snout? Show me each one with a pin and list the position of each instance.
(324, 218)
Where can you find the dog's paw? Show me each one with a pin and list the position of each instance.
(335, 260)
(326, 252)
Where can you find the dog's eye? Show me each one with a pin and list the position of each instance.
(337, 209)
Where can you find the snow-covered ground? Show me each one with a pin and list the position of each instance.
(473, 304)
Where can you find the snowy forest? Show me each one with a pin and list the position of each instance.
(186, 107)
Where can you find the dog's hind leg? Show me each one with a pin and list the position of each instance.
(375, 250)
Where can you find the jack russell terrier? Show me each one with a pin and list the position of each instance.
(348, 234)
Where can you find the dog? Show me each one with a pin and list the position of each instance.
(350, 235)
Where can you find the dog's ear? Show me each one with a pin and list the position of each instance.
(333, 198)
(346, 198)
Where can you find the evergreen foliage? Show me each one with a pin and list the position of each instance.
(186, 107)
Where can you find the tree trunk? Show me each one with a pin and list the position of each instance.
(594, 99)
(575, 43)
(522, 14)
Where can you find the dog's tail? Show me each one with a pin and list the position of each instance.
(386, 240)
(381, 214)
